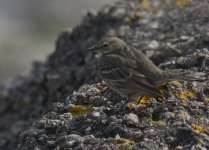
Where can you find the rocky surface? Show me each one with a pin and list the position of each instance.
(63, 104)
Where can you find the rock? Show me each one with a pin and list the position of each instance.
(153, 45)
(118, 13)
(36, 111)
(131, 119)
(96, 114)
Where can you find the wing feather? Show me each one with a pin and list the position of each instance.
(124, 74)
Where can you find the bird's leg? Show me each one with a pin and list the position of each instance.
(161, 89)
(168, 86)
(126, 101)
(139, 100)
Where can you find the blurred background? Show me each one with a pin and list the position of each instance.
(29, 28)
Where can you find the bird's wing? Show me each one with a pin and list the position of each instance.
(145, 65)
(122, 71)
(118, 61)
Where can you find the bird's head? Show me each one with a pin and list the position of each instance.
(108, 45)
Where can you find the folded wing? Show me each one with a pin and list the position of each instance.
(123, 72)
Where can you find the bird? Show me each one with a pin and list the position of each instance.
(129, 72)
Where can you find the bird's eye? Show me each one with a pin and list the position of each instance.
(105, 45)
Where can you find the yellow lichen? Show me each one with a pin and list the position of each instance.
(206, 100)
(93, 89)
(144, 101)
(123, 143)
(184, 95)
(198, 129)
(180, 3)
(201, 142)
(158, 122)
(131, 106)
(139, 15)
(184, 113)
(133, 18)
(78, 110)
(145, 4)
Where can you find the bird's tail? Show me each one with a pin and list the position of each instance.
(172, 76)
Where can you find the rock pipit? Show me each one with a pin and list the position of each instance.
(129, 72)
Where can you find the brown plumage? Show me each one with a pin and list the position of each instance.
(129, 72)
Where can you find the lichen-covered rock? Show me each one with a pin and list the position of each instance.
(179, 121)
(58, 107)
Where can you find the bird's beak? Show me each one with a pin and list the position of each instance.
(94, 48)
